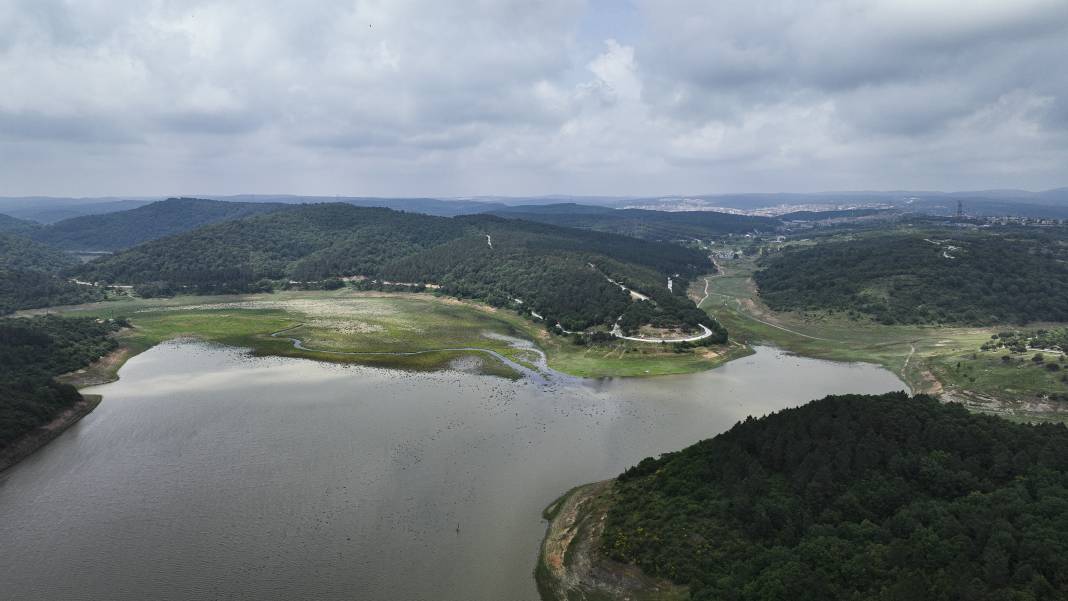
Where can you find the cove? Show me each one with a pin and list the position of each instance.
(207, 473)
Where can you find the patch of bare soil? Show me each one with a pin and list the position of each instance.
(1034, 409)
(707, 353)
(653, 332)
(929, 384)
(101, 371)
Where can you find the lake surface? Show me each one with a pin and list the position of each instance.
(209, 474)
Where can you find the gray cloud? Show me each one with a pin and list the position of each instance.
(405, 97)
(33, 126)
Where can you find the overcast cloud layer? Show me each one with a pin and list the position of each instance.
(397, 97)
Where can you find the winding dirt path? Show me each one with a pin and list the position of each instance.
(705, 297)
(741, 306)
(912, 351)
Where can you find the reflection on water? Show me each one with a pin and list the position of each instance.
(209, 474)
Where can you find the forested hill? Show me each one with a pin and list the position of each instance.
(640, 223)
(123, 229)
(12, 225)
(855, 498)
(498, 260)
(1010, 276)
(19, 252)
(28, 276)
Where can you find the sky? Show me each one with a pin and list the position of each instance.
(513, 97)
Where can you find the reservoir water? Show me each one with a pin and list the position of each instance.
(209, 474)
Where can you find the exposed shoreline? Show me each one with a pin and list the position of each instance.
(101, 371)
(618, 358)
(570, 565)
(32, 441)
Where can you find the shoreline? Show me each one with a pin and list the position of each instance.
(102, 371)
(31, 442)
(619, 358)
(570, 565)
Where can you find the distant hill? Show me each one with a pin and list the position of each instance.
(19, 252)
(441, 207)
(481, 256)
(123, 229)
(1050, 204)
(825, 215)
(12, 225)
(854, 498)
(559, 208)
(48, 209)
(639, 223)
(1057, 195)
(1004, 275)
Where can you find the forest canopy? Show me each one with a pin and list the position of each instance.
(934, 277)
(29, 276)
(854, 497)
(32, 353)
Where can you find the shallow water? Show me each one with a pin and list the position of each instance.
(210, 474)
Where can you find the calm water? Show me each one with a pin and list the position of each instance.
(207, 474)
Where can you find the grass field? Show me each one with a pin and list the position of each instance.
(329, 324)
(626, 358)
(925, 357)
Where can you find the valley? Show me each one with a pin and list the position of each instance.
(933, 359)
(500, 319)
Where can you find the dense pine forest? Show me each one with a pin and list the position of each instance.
(19, 252)
(32, 353)
(1011, 276)
(29, 276)
(560, 273)
(855, 497)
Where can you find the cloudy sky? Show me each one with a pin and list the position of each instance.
(450, 97)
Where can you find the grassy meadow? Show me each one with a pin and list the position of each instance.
(330, 324)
